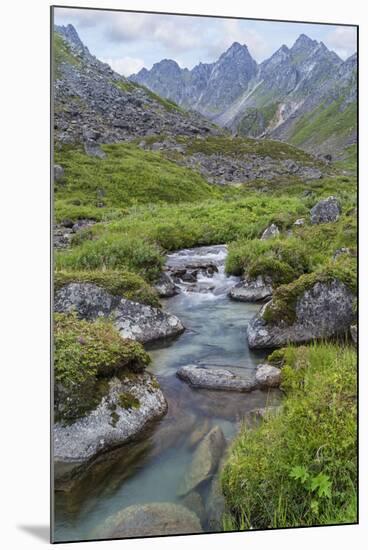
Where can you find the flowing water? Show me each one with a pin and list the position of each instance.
(151, 469)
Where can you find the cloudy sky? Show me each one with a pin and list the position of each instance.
(130, 41)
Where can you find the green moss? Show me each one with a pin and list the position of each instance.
(315, 433)
(85, 353)
(121, 283)
(127, 400)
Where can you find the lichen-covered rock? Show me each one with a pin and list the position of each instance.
(268, 376)
(205, 461)
(133, 320)
(89, 301)
(323, 311)
(271, 232)
(145, 323)
(215, 378)
(131, 403)
(251, 290)
(326, 210)
(165, 287)
(149, 520)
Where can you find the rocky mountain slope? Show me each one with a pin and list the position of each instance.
(277, 98)
(92, 103)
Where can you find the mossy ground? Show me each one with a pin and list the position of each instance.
(299, 467)
(85, 355)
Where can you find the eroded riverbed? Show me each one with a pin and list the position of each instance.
(151, 470)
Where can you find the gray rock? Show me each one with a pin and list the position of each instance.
(58, 172)
(149, 520)
(165, 287)
(110, 425)
(93, 149)
(323, 311)
(251, 290)
(205, 461)
(268, 376)
(341, 251)
(145, 323)
(215, 378)
(133, 320)
(326, 210)
(89, 301)
(271, 232)
(194, 502)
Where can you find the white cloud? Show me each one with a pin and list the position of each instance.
(125, 65)
(343, 40)
(233, 31)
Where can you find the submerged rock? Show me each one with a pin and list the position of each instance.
(205, 461)
(129, 406)
(251, 290)
(264, 413)
(133, 320)
(268, 376)
(323, 311)
(327, 210)
(194, 502)
(215, 506)
(148, 520)
(215, 378)
(271, 232)
(165, 287)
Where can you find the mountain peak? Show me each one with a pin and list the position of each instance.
(70, 34)
(303, 41)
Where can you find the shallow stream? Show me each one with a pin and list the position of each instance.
(150, 470)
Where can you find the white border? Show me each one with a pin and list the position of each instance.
(24, 222)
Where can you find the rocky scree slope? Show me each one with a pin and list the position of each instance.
(92, 103)
(275, 98)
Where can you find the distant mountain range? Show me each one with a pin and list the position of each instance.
(305, 95)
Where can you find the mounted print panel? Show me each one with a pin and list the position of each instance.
(205, 287)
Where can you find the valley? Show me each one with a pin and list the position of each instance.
(205, 294)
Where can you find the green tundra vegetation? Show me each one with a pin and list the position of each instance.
(299, 466)
(85, 355)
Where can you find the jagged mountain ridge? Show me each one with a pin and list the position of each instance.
(270, 98)
(93, 103)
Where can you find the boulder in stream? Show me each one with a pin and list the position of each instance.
(149, 520)
(165, 287)
(268, 376)
(252, 290)
(324, 310)
(205, 461)
(123, 413)
(215, 378)
(133, 320)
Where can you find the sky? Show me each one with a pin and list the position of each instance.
(130, 41)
